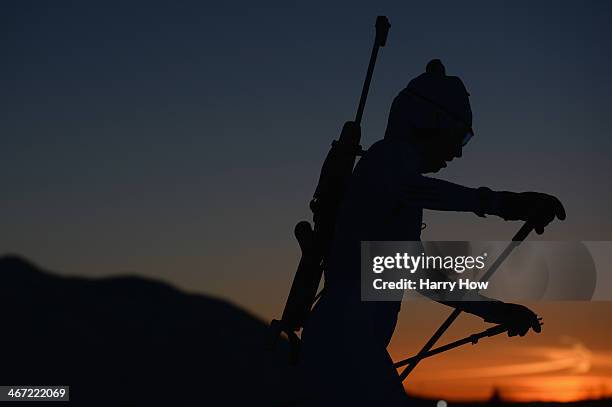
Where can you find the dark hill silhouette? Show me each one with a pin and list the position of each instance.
(133, 341)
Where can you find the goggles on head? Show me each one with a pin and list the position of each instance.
(467, 131)
(467, 136)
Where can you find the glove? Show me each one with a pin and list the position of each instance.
(533, 207)
(518, 318)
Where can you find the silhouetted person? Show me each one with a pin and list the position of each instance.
(345, 339)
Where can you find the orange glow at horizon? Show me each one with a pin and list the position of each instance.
(568, 362)
(532, 388)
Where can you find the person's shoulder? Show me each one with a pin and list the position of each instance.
(388, 157)
(380, 155)
(376, 148)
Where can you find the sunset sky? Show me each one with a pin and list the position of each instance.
(183, 142)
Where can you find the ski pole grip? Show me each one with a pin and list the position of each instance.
(382, 30)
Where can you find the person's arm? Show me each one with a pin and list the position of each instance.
(518, 318)
(431, 193)
(436, 194)
(539, 209)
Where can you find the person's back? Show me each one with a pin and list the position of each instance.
(344, 340)
(371, 209)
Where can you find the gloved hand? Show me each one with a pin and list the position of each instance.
(518, 318)
(533, 207)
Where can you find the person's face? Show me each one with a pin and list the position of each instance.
(443, 147)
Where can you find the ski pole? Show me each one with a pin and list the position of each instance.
(516, 240)
(473, 339)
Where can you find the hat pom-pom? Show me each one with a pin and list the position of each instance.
(436, 67)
